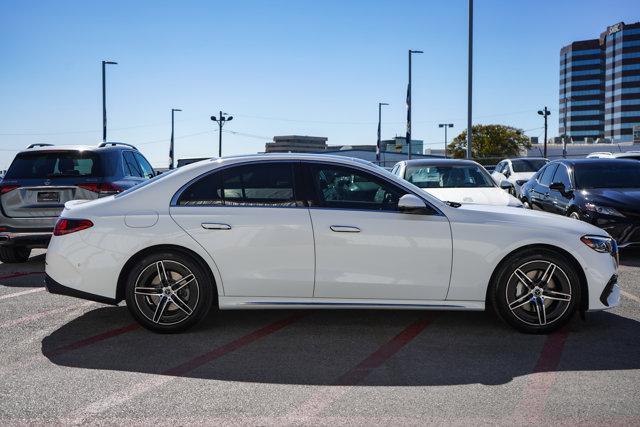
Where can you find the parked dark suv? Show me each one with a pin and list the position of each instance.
(603, 192)
(43, 177)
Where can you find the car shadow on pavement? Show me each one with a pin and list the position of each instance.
(23, 275)
(321, 346)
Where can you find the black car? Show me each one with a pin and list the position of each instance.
(603, 192)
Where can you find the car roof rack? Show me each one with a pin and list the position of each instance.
(39, 145)
(113, 144)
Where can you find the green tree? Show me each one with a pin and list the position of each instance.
(490, 142)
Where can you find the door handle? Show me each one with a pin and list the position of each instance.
(215, 226)
(344, 229)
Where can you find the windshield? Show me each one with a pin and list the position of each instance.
(528, 165)
(448, 176)
(607, 175)
(54, 164)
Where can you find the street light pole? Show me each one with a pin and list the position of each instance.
(173, 110)
(104, 100)
(445, 126)
(221, 119)
(545, 113)
(408, 136)
(470, 83)
(380, 104)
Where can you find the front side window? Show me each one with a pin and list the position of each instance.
(448, 176)
(247, 185)
(147, 169)
(343, 187)
(562, 176)
(547, 175)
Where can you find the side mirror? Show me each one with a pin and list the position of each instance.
(506, 173)
(411, 204)
(558, 186)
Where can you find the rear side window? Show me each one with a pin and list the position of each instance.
(247, 185)
(53, 164)
(547, 175)
(131, 166)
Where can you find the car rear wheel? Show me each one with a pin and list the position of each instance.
(168, 292)
(14, 254)
(536, 291)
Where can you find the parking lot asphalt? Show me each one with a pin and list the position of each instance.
(68, 361)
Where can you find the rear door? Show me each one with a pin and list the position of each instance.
(38, 183)
(251, 221)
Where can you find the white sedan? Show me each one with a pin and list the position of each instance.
(318, 231)
(455, 180)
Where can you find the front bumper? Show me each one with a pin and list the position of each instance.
(37, 239)
(56, 288)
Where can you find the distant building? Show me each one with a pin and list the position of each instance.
(399, 145)
(296, 144)
(600, 85)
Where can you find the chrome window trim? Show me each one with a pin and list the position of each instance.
(174, 200)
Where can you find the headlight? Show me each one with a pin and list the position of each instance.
(603, 210)
(600, 244)
(521, 182)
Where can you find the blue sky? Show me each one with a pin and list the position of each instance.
(280, 67)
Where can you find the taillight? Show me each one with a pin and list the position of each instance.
(68, 226)
(103, 189)
(7, 188)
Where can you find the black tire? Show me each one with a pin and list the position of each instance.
(543, 304)
(14, 254)
(526, 204)
(173, 303)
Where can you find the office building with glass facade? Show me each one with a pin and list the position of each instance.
(600, 85)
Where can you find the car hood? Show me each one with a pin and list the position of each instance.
(484, 196)
(624, 198)
(524, 218)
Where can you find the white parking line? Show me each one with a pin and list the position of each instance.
(17, 294)
(630, 296)
(37, 316)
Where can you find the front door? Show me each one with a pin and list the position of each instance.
(366, 248)
(248, 219)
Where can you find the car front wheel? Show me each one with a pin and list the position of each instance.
(536, 291)
(168, 292)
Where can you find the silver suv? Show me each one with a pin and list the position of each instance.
(43, 177)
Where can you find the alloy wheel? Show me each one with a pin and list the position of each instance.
(538, 292)
(166, 292)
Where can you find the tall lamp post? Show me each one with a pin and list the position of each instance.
(445, 126)
(545, 113)
(408, 137)
(173, 110)
(104, 100)
(380, 104)
(470, 83)
(221, 119)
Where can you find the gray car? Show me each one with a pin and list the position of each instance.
(43, 177)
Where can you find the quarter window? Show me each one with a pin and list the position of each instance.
(341, 187)
(247, 185)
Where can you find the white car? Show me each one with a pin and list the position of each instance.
(511, 174)
(318, 231)
(454, 180)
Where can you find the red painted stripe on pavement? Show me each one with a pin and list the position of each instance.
(232, 346)
(377, 358)
(20, 274)
(537, 389)
(93, 339)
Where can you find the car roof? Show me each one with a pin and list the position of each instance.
(595, 160)
(77, 148)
